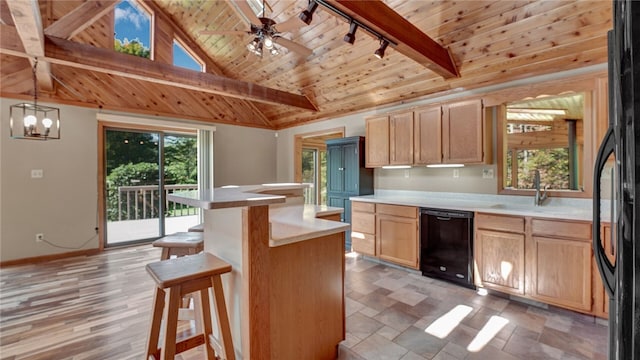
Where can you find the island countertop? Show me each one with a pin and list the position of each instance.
(293, 223)
(288, 223)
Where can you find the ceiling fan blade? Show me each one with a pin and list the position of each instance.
(292, 24)
(244, 10)
(293, 46)
(224, 32)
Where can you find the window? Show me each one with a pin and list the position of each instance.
(184, 58)
(132, 29)
(544, 134)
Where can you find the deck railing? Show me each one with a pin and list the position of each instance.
(141, 202)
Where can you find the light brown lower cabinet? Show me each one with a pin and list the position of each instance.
(560, 272)
(542, 259)
(398, 240)
(363, 227)
(388, 232)
(500, 260)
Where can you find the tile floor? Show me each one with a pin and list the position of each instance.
(393, 313)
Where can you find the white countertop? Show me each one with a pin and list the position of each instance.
(233, 196)
(288, 222)
(556, 208)
(293, 223)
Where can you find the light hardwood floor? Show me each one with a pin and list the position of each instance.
(98, 307)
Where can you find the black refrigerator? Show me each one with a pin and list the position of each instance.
(617, 185)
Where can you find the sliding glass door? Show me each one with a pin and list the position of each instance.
(141, 168)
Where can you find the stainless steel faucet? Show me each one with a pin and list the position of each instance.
(539, 198)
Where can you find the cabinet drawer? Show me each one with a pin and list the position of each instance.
(363, 222)
(363, 206)
(398, 210)
(500, 222)
(565, 229)
(364, 243)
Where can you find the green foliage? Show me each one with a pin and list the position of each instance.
(131, 175)
(553, 165)
(181, 165)
(133, 47)
(124, 147)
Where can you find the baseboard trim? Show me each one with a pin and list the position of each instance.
(43, 258)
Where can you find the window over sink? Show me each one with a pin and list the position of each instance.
(544, 133)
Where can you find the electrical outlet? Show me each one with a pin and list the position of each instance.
(37, 174)
(40, 237)
(487, 173)
(456, 173)
(406, 174)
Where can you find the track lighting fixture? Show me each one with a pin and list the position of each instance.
(350, 37)
(380, 52)
(307, 15)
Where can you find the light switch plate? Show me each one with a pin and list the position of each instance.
(37, 173)
(487, 173)
(456, 173)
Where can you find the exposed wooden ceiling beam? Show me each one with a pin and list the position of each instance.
(28, 23)
(69, 53)
(80, 18)
(410, 40)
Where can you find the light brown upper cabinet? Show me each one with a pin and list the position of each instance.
(377, 141)
(463, 133)
(452, 133)
(427, 140)
(401, 138)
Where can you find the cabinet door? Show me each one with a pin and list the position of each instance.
(377, 141)
(351, 167)
(397, 240)
(335, 168)
(463, 129)
(401, 139)
(500, 260)
(427, 135)
(560, 272)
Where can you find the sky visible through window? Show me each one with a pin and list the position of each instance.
(133, 23)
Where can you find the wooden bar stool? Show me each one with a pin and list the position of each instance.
(180, 244)
(174, 279)
(197, 228)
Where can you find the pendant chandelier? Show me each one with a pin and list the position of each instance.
(33, 121)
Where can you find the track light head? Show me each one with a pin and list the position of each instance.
(350, 37)
(307, 15)
(380, 52)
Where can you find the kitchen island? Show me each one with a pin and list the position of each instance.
(285, 294)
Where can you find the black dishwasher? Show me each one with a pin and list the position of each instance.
(446, 245)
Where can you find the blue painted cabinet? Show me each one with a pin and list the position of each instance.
(346, 175)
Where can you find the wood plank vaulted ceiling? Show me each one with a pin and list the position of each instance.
(490, 42)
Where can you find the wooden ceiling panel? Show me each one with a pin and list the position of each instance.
(491, 41)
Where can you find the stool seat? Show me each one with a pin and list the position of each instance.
(197, 228)
(174, 279)
(179, 270)
(180, 244)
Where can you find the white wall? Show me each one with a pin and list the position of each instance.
(63, 204)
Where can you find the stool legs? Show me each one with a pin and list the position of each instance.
(156, 323)
(223, 319)
(203, 314)
(171, 327)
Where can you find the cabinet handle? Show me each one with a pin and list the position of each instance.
(341, 169)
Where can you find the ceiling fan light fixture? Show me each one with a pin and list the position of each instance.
(350, 37)
(307, 15)
(268, 42)
(380, 52)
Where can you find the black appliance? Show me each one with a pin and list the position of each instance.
(446, 245)
(616, 188)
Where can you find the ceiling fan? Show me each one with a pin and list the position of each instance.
(265, 31)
